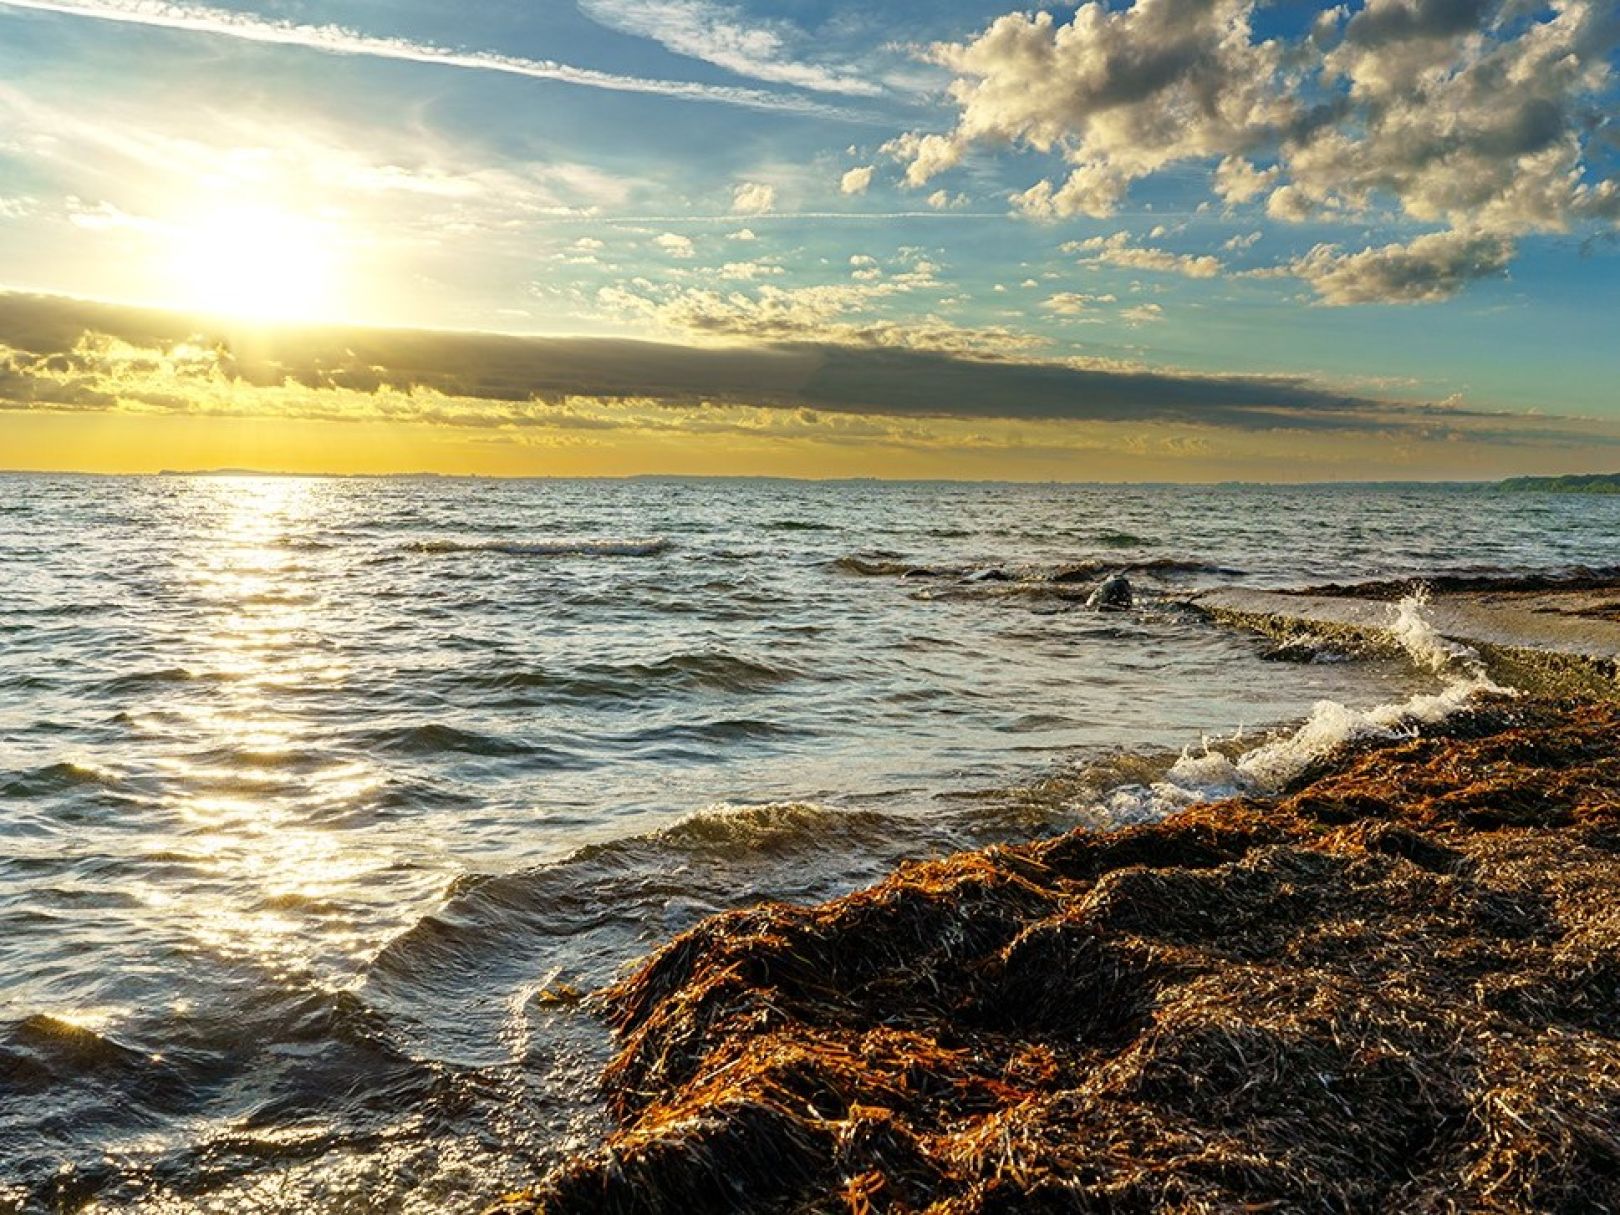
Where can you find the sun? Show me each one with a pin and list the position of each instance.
(256, 262)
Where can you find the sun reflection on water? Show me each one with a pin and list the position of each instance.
(260, 784)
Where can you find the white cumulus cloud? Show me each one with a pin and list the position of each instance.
(858, 180)
(1490, 118)
(1429, 268)
(753, 198)
(674, 244)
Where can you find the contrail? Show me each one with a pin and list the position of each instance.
(336, 40)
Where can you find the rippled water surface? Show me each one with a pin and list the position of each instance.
(319, 798)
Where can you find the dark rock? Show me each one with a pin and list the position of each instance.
(1113, 591)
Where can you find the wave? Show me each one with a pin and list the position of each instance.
(697, 739)
(41, 1050)
(1073, 571)
(689, 672)
(1121, 540)
(57, 778)
(644, 547)
(873, 566)
(139, 681)
(1221, 771)
(437, 738)
(592, 911)
(739, 828)
(1080, 570)
(1309, 649)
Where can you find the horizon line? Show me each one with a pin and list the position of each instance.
(428, 474)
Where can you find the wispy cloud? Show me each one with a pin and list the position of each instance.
(338, 40)
(718, 34)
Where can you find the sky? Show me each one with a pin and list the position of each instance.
(1162, 240)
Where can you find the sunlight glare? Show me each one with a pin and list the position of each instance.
(257, 262)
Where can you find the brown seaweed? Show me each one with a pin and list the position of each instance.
(1396, 987)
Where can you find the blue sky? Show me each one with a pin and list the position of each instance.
(1230, 189)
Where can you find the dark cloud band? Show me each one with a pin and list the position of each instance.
(54, 354)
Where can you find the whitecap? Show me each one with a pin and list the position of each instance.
(1270, 767)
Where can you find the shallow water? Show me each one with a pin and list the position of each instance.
(319, 797)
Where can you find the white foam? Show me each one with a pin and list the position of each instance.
(1424, 644)
(1270, 766)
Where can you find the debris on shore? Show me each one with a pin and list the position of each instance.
(1393, 987)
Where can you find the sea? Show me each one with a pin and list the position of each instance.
(325, 802)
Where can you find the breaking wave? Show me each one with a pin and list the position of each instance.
(1225, 770)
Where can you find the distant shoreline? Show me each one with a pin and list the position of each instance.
(1594, 483)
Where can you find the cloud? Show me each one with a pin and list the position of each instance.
(1143, 314)
(925, 156)
(1490, 117)
(1237, 181)
(726, 37)
(847, 312)
(73, 355)
(674, 244)
(1429, 268)
(1117, 250)
(857, 180)
(337, 40)
(1118, 94)
(1071, 303)
(753, 198)
(748, 271)
(655, 406)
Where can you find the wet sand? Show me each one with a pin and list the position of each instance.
(1395, 985)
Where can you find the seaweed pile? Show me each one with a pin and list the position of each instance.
(1393, 987)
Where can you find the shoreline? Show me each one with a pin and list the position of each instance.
(1395, 984)
(1552, 634)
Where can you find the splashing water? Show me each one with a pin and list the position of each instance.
(1429, 650)
(1273, 765)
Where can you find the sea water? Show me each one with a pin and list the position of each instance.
(322, 799)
